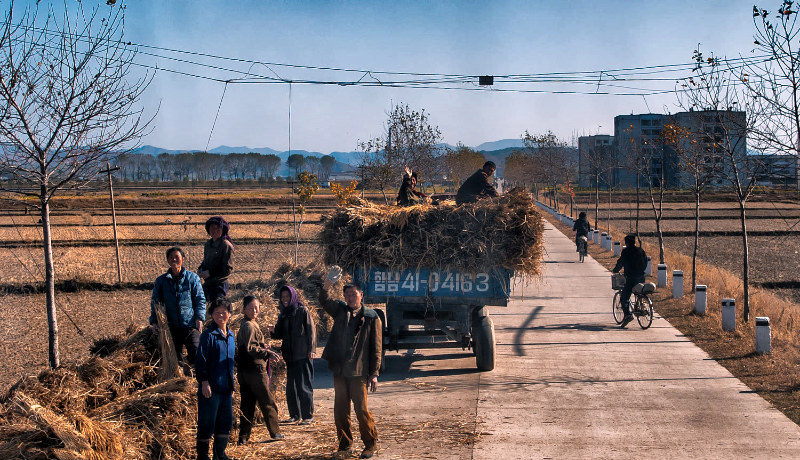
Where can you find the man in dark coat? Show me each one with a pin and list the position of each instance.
(217, 262)
(633, 260)
(478, 185)
(353, 353)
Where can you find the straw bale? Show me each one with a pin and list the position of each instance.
(505, 232)
(169, 367)
(75, 443)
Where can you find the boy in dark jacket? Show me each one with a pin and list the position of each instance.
(581, 228)
(295, 328)
(633, 260)
(353, 353)
(478, 185)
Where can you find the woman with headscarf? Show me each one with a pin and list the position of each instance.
(217, 259)
(295, 327)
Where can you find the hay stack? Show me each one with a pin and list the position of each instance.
(504, 232)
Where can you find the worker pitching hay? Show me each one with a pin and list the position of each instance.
(503, 232)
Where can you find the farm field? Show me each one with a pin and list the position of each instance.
(771, 224)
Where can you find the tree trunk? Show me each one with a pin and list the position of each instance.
(596, 200)
(745, 262)
(49, 283)
(638, 204)
(696, 232)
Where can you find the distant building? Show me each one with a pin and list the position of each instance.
(594, 154)
(640, 152)
(779, 171)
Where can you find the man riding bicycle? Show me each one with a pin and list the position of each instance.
(581, 228)
(634, 261)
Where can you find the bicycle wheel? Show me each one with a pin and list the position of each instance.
(581, 255)
(644, 311)
(617, 307)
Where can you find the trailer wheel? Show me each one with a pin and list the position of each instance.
(384, 331)
(483, 342)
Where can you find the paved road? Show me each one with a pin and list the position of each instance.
(570, 384)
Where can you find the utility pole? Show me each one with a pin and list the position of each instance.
(108, 171)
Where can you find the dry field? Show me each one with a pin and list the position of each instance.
(771, 224)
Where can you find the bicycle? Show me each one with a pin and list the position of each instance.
(642, 305)
(583, 244)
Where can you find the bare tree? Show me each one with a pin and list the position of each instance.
(461, 162)
(67, 96)
(715, 91)
(409, 140)
(773, 83)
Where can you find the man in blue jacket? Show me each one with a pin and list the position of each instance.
(181, 294)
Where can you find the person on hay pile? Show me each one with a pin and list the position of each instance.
(408, 194)
(478, 185)
(181, 294)
(217, 262)
(353, 353)
(581, 228)
(213, 367)
(295, 327)
(633, 260)
(253, 361)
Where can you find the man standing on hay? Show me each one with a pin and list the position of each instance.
(353, 353)
(181, 294)
(478, 185)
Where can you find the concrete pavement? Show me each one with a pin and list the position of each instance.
(571, 384)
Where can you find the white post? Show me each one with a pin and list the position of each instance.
(596, 236)
(649, 269)
(677, 284)
(603, 237)
(616, 249)
(728, 314)
(700, 299)
(662, 275)
(763, 335)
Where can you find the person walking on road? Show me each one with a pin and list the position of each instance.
(253, 361)
(181, 294)
(213, 367)
(633, 260)
(353, 353)
(295, 327)
(217, 259)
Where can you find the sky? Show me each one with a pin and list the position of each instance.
(463, 38)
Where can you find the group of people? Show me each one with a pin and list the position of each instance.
(632, 260)
(353, 350)
(478, 185)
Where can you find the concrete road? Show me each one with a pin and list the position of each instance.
(570, 384)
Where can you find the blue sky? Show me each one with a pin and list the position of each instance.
(440, 37)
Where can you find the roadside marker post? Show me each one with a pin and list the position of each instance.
(700, 299)
(617, 249)
(728, 314)
(649, 269)
(677, 284)
(763, 335)
(662, 275)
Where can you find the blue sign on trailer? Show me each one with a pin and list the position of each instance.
(427, 283)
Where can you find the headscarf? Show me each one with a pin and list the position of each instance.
(219, 220)
(294, 302)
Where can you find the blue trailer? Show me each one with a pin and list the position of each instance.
(429, 308)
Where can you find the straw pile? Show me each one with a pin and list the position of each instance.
(504, 232)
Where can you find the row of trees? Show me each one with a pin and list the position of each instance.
(214, 166)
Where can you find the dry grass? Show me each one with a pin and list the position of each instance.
(774, 376)
(506, 232)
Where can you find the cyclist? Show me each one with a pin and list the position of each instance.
(581, 228)
(634, 261)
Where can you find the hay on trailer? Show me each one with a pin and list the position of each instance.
(505, 232)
